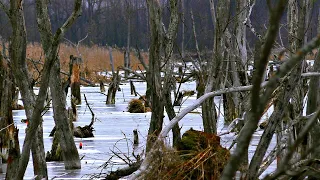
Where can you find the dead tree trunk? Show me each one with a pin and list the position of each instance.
(127, 56)
(219, 17)
(75, 63)
(312, 104)
(33, 106)
(159, 39)
(7, 133)
(113, 88)
(17, 53)
(133, 89)
(153, 75)
(63, 135)
(14, 155)
(102, 89)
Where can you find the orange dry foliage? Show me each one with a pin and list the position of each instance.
(95, 59)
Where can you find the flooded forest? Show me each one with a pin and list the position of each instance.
(159, 89)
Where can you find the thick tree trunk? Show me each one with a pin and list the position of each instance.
(312, 104)
(154, 77)
(219, 17)
(65, 135)
(113, 88)
(17, 56)
(14, 156)
(8, 137)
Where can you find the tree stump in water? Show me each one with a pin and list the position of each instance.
(133, 89)
(135, 137)
(113, 87)
(102, 89)
(74, 67)
(55, 154)
(14, 155)
(83, 132)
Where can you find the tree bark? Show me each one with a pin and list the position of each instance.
(113, 88)
(220, 17)
(257, 104)
(65, 138)
(17, 53)
(153, 75)
(75, 79)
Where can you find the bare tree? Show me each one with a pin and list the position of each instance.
(162, 40)
(68, 147)
(34, 106)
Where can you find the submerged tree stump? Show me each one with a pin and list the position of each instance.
(83, 132)
(74, 68)
(55, 154)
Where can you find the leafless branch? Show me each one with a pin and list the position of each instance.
(284, 163)
(133, 72)
(4, 8)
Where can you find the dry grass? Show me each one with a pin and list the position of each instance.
(95, 59)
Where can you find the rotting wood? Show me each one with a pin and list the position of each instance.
(113, 88)
(75, 63)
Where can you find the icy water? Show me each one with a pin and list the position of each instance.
(113, 131)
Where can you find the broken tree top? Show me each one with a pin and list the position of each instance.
(75, 60)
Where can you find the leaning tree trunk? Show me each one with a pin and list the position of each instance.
(17, 54)
(63, 132)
